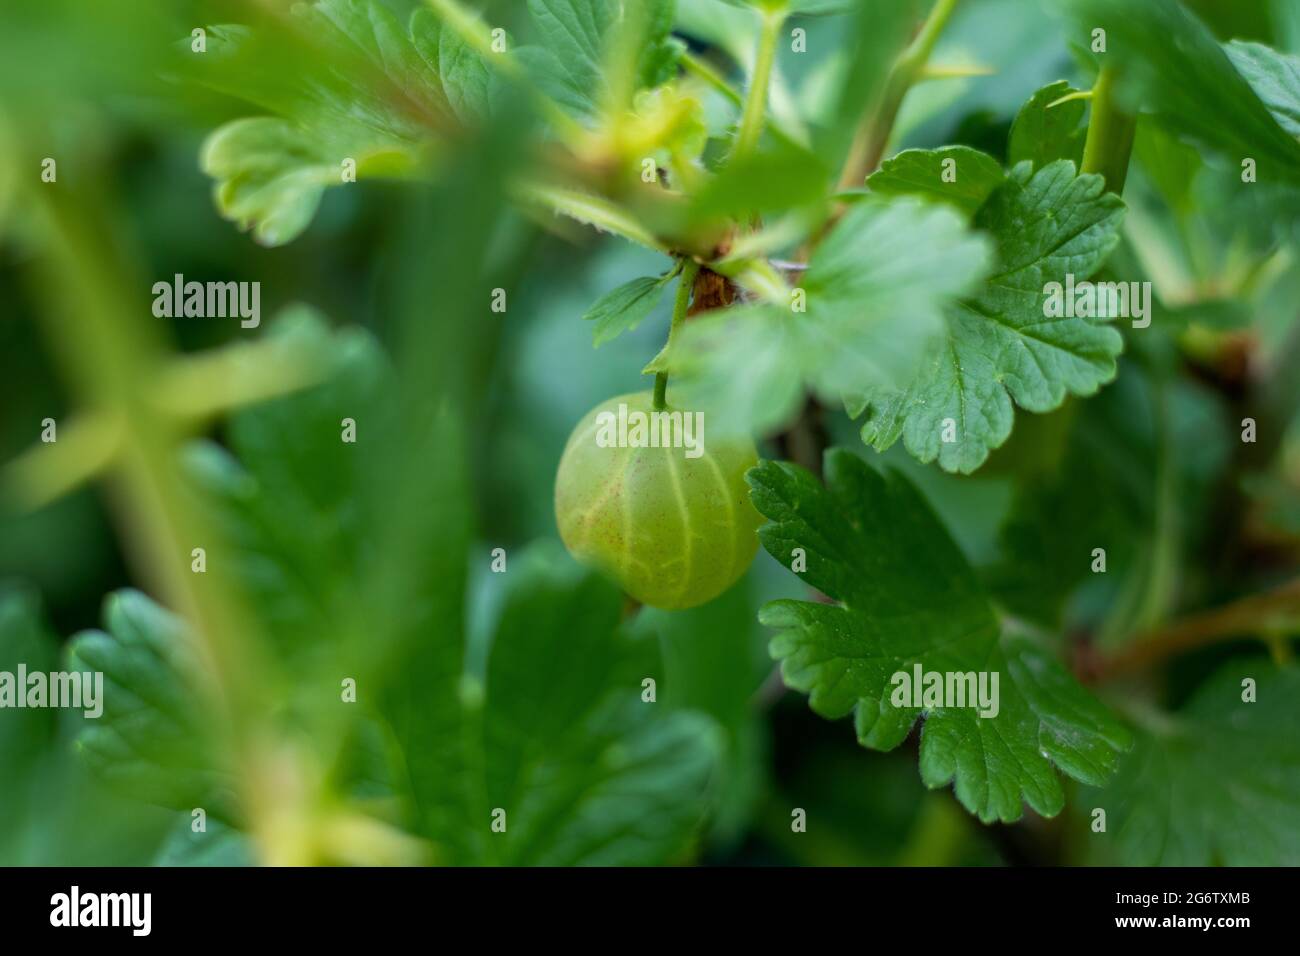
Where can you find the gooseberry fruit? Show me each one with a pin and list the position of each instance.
(672, 525)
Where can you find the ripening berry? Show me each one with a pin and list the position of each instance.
(672, 525)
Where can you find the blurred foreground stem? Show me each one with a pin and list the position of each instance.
(96, 323)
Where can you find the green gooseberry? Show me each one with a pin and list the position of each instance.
(673, 524)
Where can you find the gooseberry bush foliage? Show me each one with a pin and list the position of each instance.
(842, 260)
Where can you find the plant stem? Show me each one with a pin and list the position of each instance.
(873, 135)
(755, 111)
(1110, 134)
(1241, 618)
(690, 269)
(111, 358)
(693, 64)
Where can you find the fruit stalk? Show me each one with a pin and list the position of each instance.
(690, 269)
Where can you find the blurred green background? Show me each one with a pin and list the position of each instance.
(411, 264)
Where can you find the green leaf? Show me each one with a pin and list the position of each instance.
(291, 500)
(804, 7)
(154, 740)
(777, 177)
(586, 771)
(570, 64)
(894, 263)
(52, 812)
(271, 171)
(335, 63)
(1274, 76)
(218, 845)
(24, 639)
(24, 734)
(453, 66)
(1174, 68)
(1171, 165)
(624, 308)
(1137, 479)
(419, 596)
(715, 661)
(922, 172)
(1215, 782)
(999, 345)
(301, 513)
(904, 596)
(875, 290)
(657, 63)
(1224, 225)
(575, 31)
(1042, 133)
(744, 367)
(374, 30)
